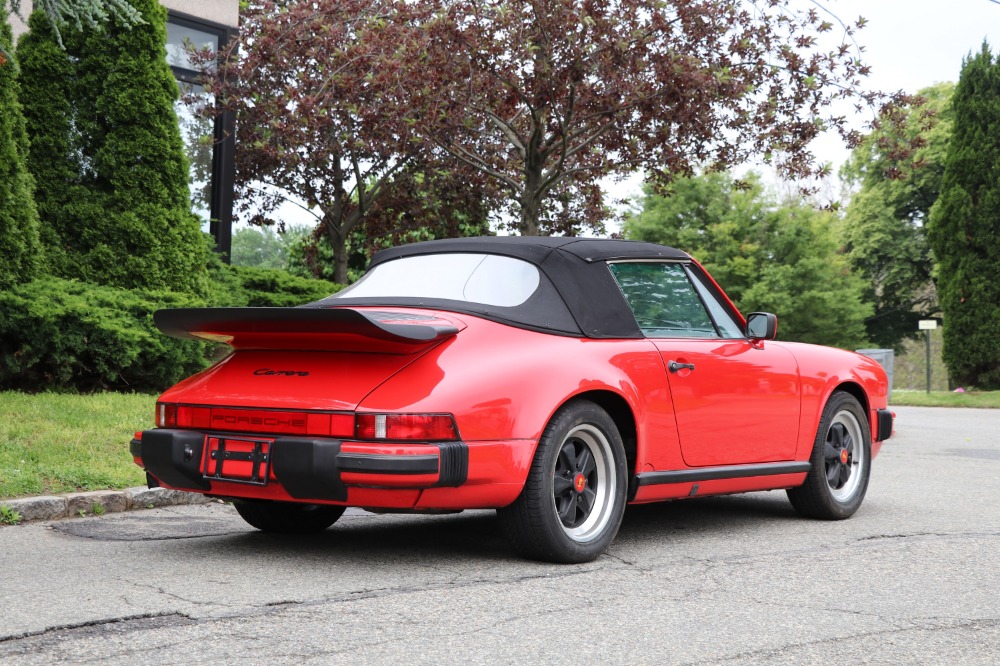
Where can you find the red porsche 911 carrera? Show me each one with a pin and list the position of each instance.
(552, 379)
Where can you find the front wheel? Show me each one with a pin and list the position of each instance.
(841, 463)
(573, 500)
(288, 517)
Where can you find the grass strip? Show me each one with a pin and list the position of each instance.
(978, 399)
(53, 443)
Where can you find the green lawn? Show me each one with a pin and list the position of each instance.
(981, 399)
(59, 443)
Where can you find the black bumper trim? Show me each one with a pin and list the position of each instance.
(307, 468)
(454, 464)
(884, 429)
(379, 463)
(719, 473)
(135, 447)
(174, 457)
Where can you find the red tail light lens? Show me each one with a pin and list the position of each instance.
(425, 427)
(166, 415)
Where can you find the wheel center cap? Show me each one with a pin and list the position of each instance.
(844, 456)
(580, 482)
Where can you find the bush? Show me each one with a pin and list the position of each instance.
(65, 335)
(59, 334)
(268, 287)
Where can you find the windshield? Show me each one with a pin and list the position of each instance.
(475, 278)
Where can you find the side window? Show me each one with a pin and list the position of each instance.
(727, 325)
(663, 300)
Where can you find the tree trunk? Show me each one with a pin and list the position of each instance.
(531, 200)
(338, 241)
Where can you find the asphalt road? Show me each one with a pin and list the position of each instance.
(913, 578)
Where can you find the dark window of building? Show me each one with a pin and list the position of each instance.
(208, 142)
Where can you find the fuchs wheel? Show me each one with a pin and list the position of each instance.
(288, 517)
(841, 463)
(573, 500)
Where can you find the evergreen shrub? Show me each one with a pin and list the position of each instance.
(270, 287)
(59, 334)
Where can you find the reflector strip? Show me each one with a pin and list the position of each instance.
(269, 421)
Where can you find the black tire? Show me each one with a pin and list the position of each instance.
(288, 517)
(841, 462)
(572, 503)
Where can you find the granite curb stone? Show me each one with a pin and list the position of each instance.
(54, 507)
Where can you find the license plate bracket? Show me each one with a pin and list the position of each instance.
(238, 460)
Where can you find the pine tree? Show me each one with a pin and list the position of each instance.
(47, 78)
(110, 160)
(964, 228)
(18, 216)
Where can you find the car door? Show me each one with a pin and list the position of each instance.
(736, 401)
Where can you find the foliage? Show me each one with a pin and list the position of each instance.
(67, 335)
(18, 215)
(886, 221)
(422, 202)
(312, 87)
(536, 100)
(79, 14)
(64, 442)
(108, 158)
(768, 256)
(262, 247)
(964, 229)
(546, 96)
(62, 334)
(9, 516)
(268, 287)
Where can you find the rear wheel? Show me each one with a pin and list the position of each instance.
(574, 498)
(288, 517)
(841, 463)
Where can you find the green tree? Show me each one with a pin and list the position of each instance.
(780, 257)
(263, 247)
(113, 179)
(18, 216)
(47, 78)
(885, 225)
(78, 13)
(964, 230)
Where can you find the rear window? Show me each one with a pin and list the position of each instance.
(485, 279)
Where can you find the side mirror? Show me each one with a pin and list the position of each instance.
(762, 326)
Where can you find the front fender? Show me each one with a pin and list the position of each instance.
(824, 370)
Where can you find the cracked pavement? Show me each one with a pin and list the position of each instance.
(911, 579)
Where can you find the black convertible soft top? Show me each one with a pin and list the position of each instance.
(576, 296)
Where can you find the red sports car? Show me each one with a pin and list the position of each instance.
(552, 379)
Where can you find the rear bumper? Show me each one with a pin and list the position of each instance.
(431, 475)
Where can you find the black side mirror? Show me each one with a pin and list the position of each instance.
(762, 326)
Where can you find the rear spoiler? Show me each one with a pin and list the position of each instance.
(342, 329)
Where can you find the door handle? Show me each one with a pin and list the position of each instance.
(674, 366)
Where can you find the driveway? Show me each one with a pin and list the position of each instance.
(912, 578)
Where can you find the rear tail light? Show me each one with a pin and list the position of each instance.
(166, 415)
(425, 427)
(404, 427)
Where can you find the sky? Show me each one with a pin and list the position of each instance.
(911, 44)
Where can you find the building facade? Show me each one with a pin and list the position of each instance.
(209, 143)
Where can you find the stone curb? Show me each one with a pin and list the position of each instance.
(98, 502)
